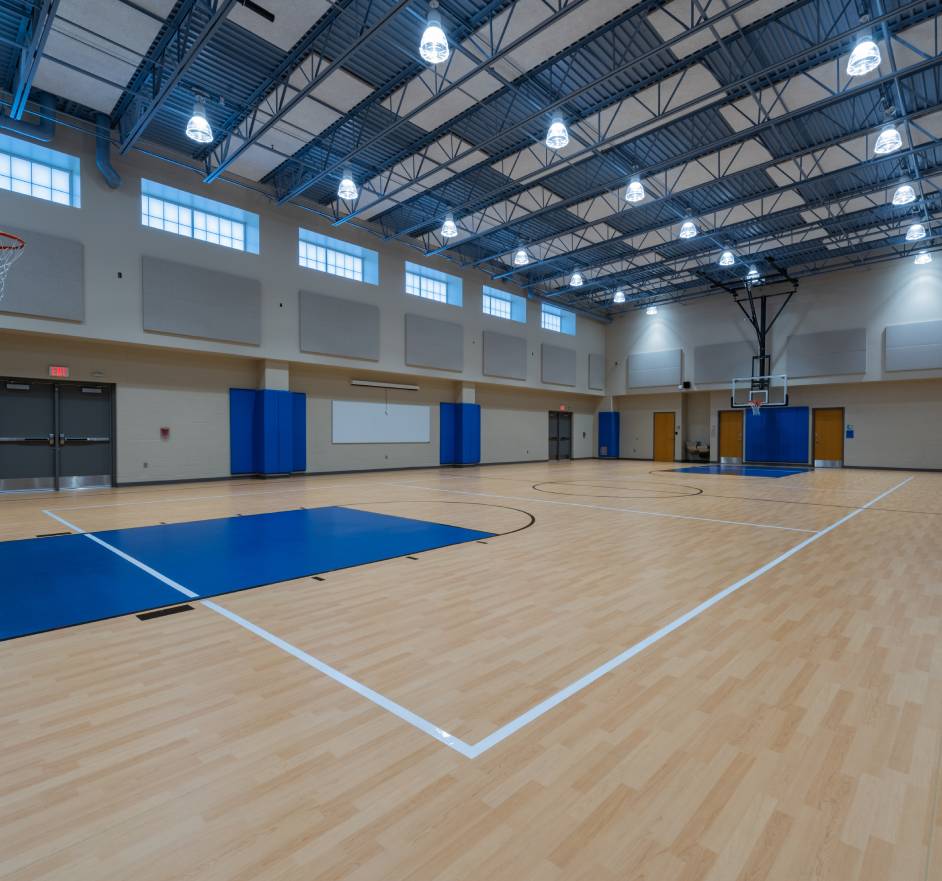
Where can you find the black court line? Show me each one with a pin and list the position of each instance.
(665, 494)
(51, 534)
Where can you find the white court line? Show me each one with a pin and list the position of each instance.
(472, 751)
(464, 492)
(390, 706)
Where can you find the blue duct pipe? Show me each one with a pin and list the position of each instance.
(103, 151)
(43, 129)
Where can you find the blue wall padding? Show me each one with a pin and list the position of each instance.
(298, 431)
(459, 434)
(777, 434)
(447, 433)
(242, 444)
(56, 582)
(468, 446)
(609, 434)
(267, 431)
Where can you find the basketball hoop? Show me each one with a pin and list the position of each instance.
(755, 404)
(11, 249)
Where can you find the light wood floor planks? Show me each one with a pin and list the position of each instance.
(793, 731)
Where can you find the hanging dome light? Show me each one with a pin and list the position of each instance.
(752, 274)
(651, 310)
(634, 192)
(619, 297)
(904, 195)
(916, 232)
(688, 229)
(864, 58)
(888, 141)
(198, 128)
(434, 45)
(521, 257)
(347, 189)
(557, 135)
(576, 280)
(923, 257)
(449, 228)
(727, 258)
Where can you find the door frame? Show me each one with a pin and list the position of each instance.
(557, 457)
(730, 460)
(826, 463)
(56, 384)
(673, 415)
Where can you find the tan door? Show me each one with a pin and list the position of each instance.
(730, 435)
(664, 437)
(828, 436)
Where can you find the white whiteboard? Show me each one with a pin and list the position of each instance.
(361, 422)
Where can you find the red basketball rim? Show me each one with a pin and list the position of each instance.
(10, 242)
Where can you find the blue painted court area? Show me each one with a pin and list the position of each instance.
(60, 581)
(742, 470)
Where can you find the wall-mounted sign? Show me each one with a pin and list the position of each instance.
(57, 372)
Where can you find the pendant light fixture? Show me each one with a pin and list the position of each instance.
(651, 310)
(864, 58)
(576, 280)
(434, 45)
(449, 228)
(688, 229)
(752, 274)
(198, 128)
(727, 259)
(923, 257)
(347, 189)
(521, 257)
(634, 192)
(619, 297)
(904, 195)
(916, 232)
(557, 135)
(888, 141)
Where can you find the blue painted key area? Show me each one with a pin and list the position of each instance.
(65, 580)
(741, 470)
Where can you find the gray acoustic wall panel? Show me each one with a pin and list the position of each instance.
(191, 301)
(504, 355)
(434, 343)
(648, 369)
(334, 326)
(829, 353)
(558, 365)
(722, 362)
(597, 372)
(48, 280)
(915, 346)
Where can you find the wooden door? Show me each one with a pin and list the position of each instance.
(664, 437)
(828, 436)
(731, 436)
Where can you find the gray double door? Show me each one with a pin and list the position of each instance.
(560, 435)
(55, 435)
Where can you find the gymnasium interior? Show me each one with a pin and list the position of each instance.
(470, 440)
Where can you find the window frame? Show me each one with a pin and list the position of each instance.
(563, 317)
(340, 259)
(516, 305)
(34, 171)
(432, 280)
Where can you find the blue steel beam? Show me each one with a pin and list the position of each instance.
(166, 65)
(785, 68)
(491, 56)
(222, 155)
(36, 36)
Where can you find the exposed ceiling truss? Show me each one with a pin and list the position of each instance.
(736, 114)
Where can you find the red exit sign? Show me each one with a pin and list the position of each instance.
(58, 372)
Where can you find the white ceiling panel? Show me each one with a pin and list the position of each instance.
(293, 19)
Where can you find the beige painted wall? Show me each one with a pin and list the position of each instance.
(637, 423)
(108, 224)
(184, 391)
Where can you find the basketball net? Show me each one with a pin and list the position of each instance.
(11, 249)
(755, 405)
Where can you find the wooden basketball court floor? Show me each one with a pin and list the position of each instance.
(646, 675)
